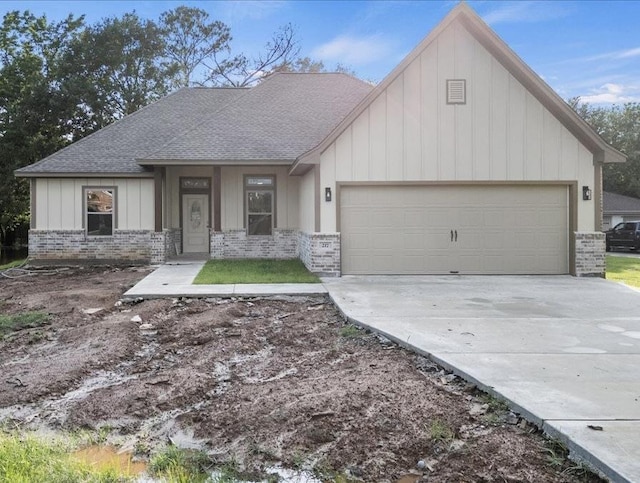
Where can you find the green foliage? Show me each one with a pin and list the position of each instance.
(190, 39)
(24, 320)
(26, 459)
(495, 404)
(37, 112)
(118, 65)
(306, 64)
(351, 331)
(556, 452)
(178, 465)
(440, 431)
(623, 269)
(15, 263)
(254, 271)
(620, 127)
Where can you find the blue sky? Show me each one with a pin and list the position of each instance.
(582, 48)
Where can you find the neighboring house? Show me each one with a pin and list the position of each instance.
(462, 160)
(618, 208)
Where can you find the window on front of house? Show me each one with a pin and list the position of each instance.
(259, 204)
(99, 205)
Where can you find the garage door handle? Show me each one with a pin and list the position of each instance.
(456, 238)
(451, 235)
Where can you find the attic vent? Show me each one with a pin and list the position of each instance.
(456, 91)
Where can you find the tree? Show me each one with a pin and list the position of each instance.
(620, 127)
(306, 64)
(37, 113)
(119, 66)
(190, 38)
(242, 71)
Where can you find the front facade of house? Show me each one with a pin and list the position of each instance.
(461, 161)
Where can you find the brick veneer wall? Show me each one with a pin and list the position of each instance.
(165, 244)
(236, 244)
(124, 245)
(590, 254)
(320, 252)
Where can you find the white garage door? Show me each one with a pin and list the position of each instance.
(454, 229)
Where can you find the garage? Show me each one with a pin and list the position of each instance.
(445, 229)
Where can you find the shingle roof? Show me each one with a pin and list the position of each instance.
(114, 148)
(279, 119)
(615, 203)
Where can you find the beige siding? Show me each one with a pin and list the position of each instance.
(59, 202)
(454, 229)
(409, 133)
(233, 195)
(307, 202)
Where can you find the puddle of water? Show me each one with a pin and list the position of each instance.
(107, 457)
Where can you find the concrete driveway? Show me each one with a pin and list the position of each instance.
(564, 351)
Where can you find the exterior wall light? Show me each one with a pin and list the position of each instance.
(327, 194)
(586, 193)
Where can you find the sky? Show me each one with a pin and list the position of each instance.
(584, 48)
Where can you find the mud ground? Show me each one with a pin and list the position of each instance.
(254, 381)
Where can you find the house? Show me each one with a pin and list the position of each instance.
(618, 208)
(462, 160)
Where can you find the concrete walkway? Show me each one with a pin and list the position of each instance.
(176, 280)
(563, 351)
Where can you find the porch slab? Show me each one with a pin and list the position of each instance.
(175, 279)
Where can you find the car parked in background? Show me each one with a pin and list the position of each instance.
(624, 235)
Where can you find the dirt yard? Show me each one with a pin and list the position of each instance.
(254, 381)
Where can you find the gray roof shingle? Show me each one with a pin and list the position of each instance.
(615, 203)
(278, 120)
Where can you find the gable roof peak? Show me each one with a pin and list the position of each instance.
(489, 39)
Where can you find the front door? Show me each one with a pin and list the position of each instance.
(195, 223)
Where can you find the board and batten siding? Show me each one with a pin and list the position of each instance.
(59, 202)
(232, 210)
(502, 133)
(307, 203)
(232, 195)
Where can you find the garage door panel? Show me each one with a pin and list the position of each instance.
(407, 229)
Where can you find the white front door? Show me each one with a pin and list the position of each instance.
(195, 223)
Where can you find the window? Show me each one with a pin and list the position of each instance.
(259, 204)
(99, 204)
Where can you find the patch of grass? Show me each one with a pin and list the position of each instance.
(495, 405)
(351, 331)
(24, 320)
(254, 271)
(15, 263)
(323, 471)
(624, 269)
(557, 453)
(177, 465)
(27, 458)
(439, 430)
